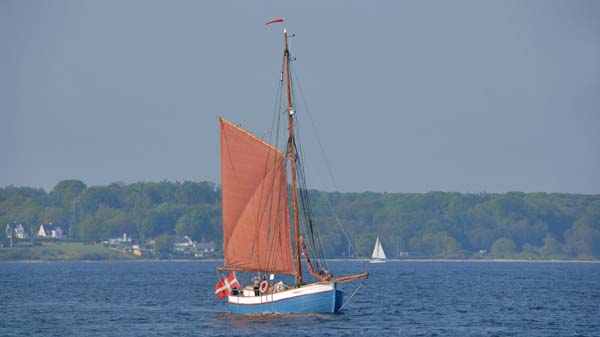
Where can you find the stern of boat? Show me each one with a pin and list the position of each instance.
(339, 299)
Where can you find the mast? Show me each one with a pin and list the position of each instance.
(292, 157)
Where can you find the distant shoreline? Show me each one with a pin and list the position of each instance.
(467, 260)
(329, 260)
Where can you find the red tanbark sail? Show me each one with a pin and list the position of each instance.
(256, 228)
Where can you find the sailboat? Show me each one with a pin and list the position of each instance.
(378, 255)
(258, 223)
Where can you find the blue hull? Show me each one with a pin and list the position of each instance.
(323, 302)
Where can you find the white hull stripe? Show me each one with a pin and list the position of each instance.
(284, 295)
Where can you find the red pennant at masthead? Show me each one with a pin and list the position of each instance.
(274, 21)
(223, 287)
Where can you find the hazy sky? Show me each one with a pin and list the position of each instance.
(407, 96)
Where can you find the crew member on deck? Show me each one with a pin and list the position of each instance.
(256, 285)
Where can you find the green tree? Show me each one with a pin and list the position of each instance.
(89, 230)
(439, 244)
(433, 224)
(196, 223)
(158, 220)
(56, 215)
(164, 244)
(551, 248)
(2, 233)
(583, 239)
(504, 247)
(529, 251)
(65, 191)
(190, 193)
(480, 237)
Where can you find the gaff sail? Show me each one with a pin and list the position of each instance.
(256, 224)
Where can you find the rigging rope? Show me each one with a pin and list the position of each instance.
(272, 227)
(309, 226)
(337, 219)
(349, 298)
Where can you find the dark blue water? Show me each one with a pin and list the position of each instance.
(399, 299)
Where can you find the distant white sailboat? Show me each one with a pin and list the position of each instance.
(378, 255)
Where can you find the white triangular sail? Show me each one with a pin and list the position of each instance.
(378, 252)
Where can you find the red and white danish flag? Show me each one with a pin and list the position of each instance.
(223, 287)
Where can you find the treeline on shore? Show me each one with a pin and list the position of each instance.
(414, 225)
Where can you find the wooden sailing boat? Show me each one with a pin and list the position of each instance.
(257, 224)
(378, 255)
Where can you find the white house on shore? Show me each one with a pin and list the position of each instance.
(184, 244)
(51, 231)
(16, 230)
(122, 243)
(121, 240)
(20, 232)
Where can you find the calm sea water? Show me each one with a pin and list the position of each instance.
(399, 299)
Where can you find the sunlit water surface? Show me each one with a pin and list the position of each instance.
(399, 299)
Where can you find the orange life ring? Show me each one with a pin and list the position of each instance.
(263, 286)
